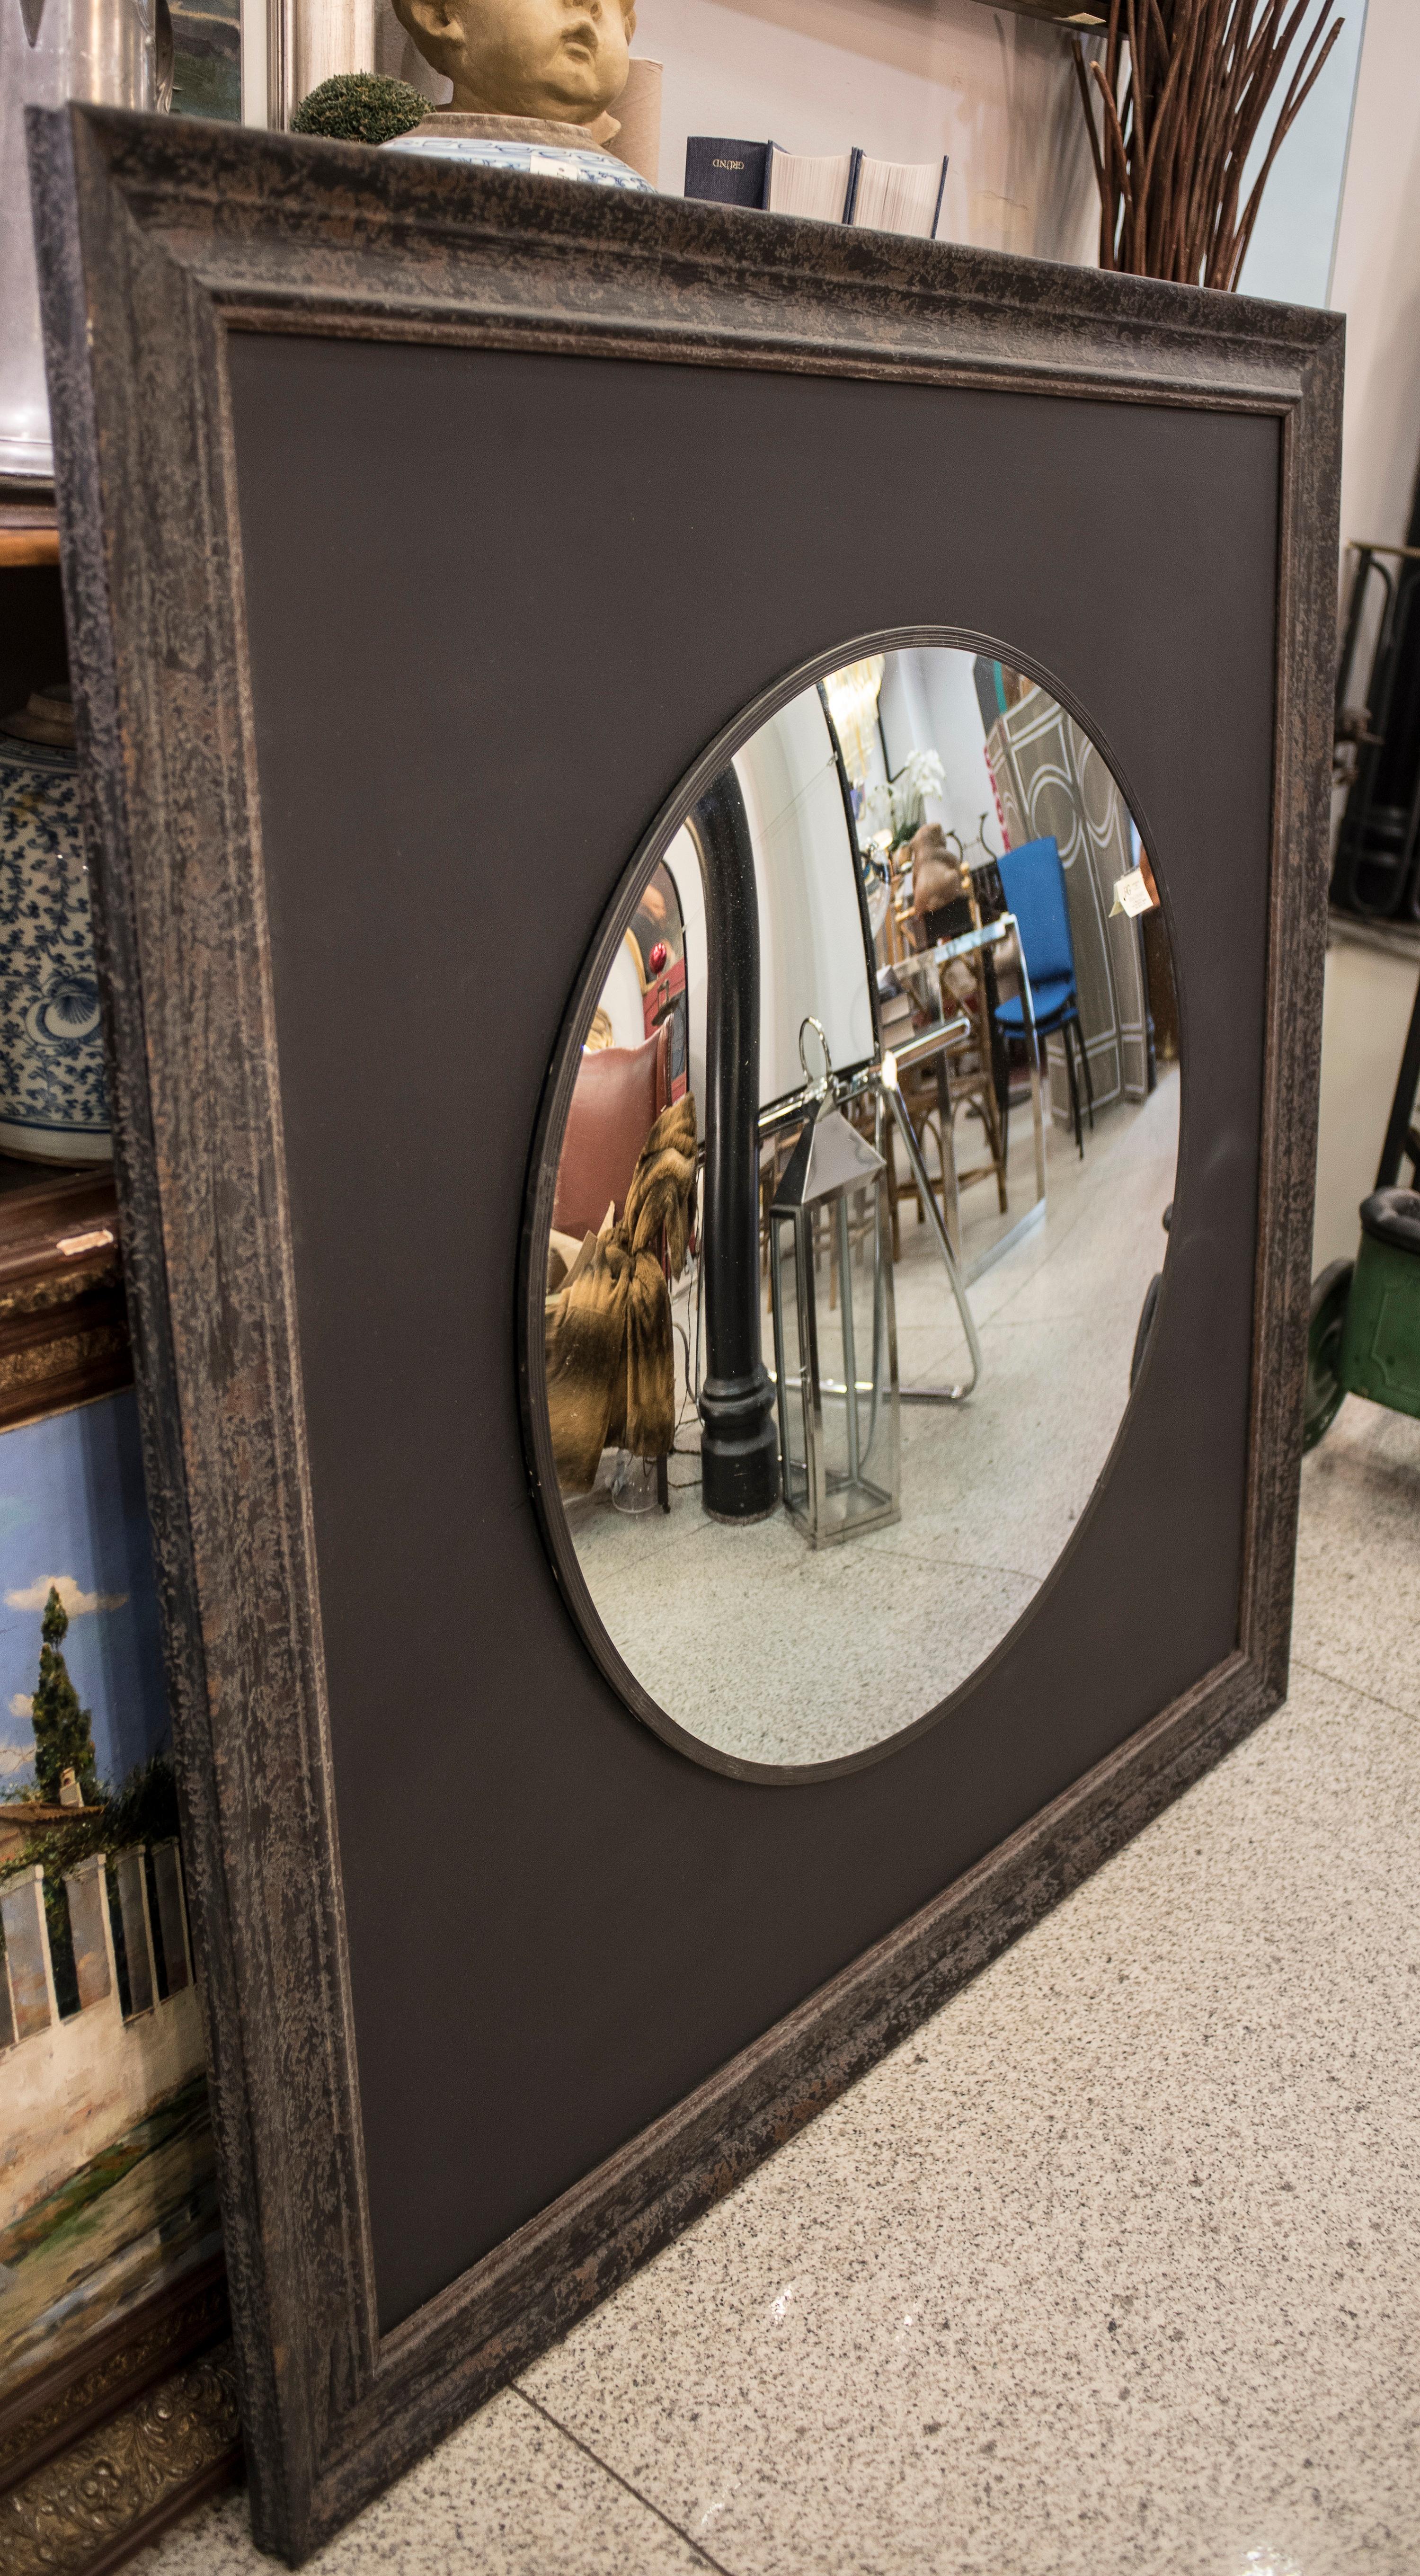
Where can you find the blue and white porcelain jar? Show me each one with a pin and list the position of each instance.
(543, 151)
(53, 1098)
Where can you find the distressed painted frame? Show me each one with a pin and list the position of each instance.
(156, 242)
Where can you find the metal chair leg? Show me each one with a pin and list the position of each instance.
(1089, 1077)
(1074, 1088)
(1035, 1057)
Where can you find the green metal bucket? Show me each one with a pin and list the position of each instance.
(1380, 1350)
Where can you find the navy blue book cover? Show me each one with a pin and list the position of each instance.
(729, 173)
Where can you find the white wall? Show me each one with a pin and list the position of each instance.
(621, 999)
(929, 703)
(1376, 280)
(1376, 284)
(811, 953)
(906, 80)
(1293, 245)
(1370, 993)
(399, 58)
(683, 864)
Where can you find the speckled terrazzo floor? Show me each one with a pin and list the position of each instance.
(776, 1652)
(1113, 2270)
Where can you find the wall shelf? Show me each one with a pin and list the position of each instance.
(1082, 17)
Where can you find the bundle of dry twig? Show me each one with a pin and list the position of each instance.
(1184, 86)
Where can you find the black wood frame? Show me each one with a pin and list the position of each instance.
(156, 242)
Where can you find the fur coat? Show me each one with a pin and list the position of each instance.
(610, 1351)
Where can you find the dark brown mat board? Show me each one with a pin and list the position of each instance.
(421, 529)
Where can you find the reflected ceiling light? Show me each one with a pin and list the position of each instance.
(852, 695)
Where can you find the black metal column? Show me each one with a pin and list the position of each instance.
(739, 1447)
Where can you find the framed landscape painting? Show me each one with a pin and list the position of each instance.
(110, 2243)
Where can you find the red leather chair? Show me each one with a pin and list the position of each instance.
(619, 1094)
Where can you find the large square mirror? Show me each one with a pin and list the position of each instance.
(696, 1491)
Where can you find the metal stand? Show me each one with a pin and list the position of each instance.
(932, 1394)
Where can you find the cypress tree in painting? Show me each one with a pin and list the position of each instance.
(63, 1730)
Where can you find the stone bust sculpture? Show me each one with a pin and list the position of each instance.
(558, 61)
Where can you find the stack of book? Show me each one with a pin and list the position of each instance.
(832, 187)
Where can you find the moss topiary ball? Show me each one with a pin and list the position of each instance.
(360, 107)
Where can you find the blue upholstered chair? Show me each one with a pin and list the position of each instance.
(1034, 885)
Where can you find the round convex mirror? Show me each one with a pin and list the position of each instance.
(847, 1225)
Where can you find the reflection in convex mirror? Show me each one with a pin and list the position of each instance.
(856, 1203)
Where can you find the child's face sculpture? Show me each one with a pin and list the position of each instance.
(563, 59)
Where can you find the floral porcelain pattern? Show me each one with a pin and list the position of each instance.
(539, 160)
(53, 1098)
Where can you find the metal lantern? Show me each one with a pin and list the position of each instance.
(835, 1336)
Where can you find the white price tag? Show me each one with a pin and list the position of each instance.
(1131, 895)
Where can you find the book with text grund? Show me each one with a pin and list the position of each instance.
(827, 187)
(724, 171)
